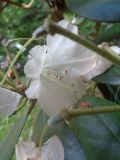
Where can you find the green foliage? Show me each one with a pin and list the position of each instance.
(110, 33)
(72, 147)
(18, 22)
(98, 134)
(112, 76)
(7, 145)
(40, 123)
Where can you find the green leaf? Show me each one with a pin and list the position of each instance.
(40, 123)
(99, 135)
(1, 75)
(109, 34)
(71, 145)
(98, 10)
(7, 145)
(112, 76)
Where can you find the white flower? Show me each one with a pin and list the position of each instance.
(57, 71)
(102, 64)
(8, 101)
(26, 150)
(51, 150)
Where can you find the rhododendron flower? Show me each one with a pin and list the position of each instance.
(102, 64)
(59, 69)
(51, 150)
(26, 150)
(8, 101)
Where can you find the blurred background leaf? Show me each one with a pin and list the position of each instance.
(100, 10)
(111, 33)
(112, 76)
(7, 145)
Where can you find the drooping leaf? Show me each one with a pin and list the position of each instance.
(99, 135)
(40, 123)
(7, 145)
(9, 101)
(98, 10)
(109, 34)
(72, 147)
(112, 76)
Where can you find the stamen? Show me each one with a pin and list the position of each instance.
(55, 78)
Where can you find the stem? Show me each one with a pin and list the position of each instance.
(91, 111)
(11, 84)
(16, 58)
(43, 134)
(24, 101)
(32, 105)
(3, 7)
(29, 5)
(12, 3)
(52, 28)
(15, 39)
(68, 114)
(19, 39)
(13, 67)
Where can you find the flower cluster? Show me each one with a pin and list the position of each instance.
(58, 71)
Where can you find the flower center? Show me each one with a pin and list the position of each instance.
(61, 80)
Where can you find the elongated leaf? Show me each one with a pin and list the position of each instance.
(7, 145)
(99, 135)
(98, 10)
(71, 145)
(40, 123)
(112, 76)
(9, 101)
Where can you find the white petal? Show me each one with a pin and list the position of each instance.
(59, 42)
(32, 69)
(8, 101)
(54, 41)
(102, 64)
(52, 149)
(26, 150)
(37, 52)
(55, 96)
(116, 49)
(77, 60)
(65, 53)
(33, 91)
